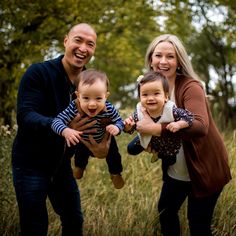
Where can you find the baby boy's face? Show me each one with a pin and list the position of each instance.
(92, 97)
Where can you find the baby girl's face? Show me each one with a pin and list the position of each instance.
(152, 97)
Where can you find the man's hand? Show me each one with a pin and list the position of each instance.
(80, 124)
(99, 150)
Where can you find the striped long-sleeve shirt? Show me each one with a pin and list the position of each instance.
(108, 116)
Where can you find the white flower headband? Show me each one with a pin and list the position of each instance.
(139, 78)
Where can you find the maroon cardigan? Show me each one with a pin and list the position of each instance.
(204, 149)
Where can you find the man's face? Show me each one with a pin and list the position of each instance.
(80, 45)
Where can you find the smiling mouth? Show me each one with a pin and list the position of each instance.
(163, 69)
(79, 56)
(92, 111)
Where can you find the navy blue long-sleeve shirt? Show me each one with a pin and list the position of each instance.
(44, 91)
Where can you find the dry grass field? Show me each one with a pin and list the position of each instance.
(112, 212)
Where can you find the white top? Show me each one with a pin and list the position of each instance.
(178, 170)
(166, 117)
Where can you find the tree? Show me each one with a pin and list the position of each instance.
(29, 30)
(215, 50)
(33, 30)
(207, 29)
(124, 31)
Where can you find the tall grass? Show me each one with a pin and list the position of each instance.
(108, 211)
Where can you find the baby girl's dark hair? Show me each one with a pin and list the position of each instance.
(153, 76)
(90, 76)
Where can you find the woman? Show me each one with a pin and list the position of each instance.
(201, 169)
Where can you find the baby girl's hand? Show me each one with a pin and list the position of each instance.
(128, 123)
(173, 127)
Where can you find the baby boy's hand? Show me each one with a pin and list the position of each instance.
(72, 136)
(113, 130)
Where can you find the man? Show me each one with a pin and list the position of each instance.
(40, 158)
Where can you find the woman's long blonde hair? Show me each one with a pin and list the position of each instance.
(185, 65)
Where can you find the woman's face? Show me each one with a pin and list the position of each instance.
(164, 60)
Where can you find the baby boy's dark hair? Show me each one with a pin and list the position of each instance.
(90, 76)
(153, 76)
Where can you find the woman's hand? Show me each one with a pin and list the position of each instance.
(148, 126)
(99, 150)
(80, 124)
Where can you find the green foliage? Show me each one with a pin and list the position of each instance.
(123, 36)
(107, 211)
(218, 56)
(207, 29)
(28, 31)
(34, 30)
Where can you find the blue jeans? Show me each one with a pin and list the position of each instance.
(134, 147)
(32, 189)
(200, 210)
